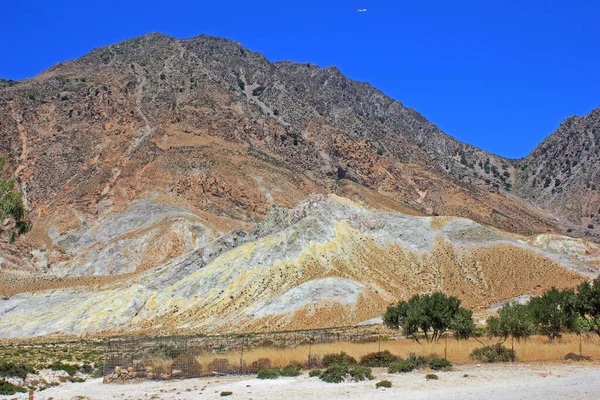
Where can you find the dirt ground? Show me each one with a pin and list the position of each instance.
(506, 381)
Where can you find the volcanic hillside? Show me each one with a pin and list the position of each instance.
(158, 170)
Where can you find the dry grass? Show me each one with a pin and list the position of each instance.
(160, 364)
(535, 349)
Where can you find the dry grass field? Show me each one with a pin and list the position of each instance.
(537, 348)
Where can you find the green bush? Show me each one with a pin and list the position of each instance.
(379, 359)
(431, 376)
(440, 364)
(335, 373)
(291, 370)
(58, 366)
(258, 91)
(10, 370)
(401, 366)
(383, 384)
(419, 361)
(268, 374)
(361, 373)
(223, 394)
(8, 388)
(494, 353)
(338, 358)
(315, 372)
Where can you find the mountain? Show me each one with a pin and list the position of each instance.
(152, 166)
(562, 175)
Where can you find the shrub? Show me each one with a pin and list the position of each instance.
(315, 373)
(361, 373)
(440, 364)
(268, 374)
(379, 359)
(401, 366)
(8, 388)
(383, 384)
(577, 357)
(494, 353)
(10, 369)
(225, 393)
(291, 370)
(335, 373)
(419, 361)
(341, 358)
(431, 376)
(275, 112)
(58, 366)
(258, 91)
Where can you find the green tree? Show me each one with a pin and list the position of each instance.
(587, 304)
(432, 314)
(554, 313)
(513, 320)
(11, 208)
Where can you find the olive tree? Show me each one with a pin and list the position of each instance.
(587, 304)
(432, 315)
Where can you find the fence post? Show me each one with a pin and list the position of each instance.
(446, 347)
(242, 357)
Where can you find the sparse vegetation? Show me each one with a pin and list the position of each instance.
(440, 364)
(268, 374)
(315, 373)
(401, 366)
(335, 373)
(291, 370)
(379, 359)
(338, 358)
(494, 353)
(577, 357)
(12, 208)
(360, 373)
(383, 384)
(11, 369)
(58, 366)
(7, 388)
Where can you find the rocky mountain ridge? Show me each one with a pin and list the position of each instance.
(144, 161)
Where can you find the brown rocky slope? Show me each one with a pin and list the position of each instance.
(151, 149)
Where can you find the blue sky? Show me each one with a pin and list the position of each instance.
(500, 75)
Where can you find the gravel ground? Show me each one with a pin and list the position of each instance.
(514, 381)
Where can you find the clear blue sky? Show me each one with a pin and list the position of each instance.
(500, 75)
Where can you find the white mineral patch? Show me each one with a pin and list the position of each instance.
(332, 290)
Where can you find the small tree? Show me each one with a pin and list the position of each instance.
(513, 320)
(11, 208)
(554, 313)
(587, 304)
(432, 314)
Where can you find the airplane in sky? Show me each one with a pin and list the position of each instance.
(362, 10)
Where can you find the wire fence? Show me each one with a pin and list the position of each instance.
(176, 357)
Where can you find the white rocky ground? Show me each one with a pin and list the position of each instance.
(515, 381)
